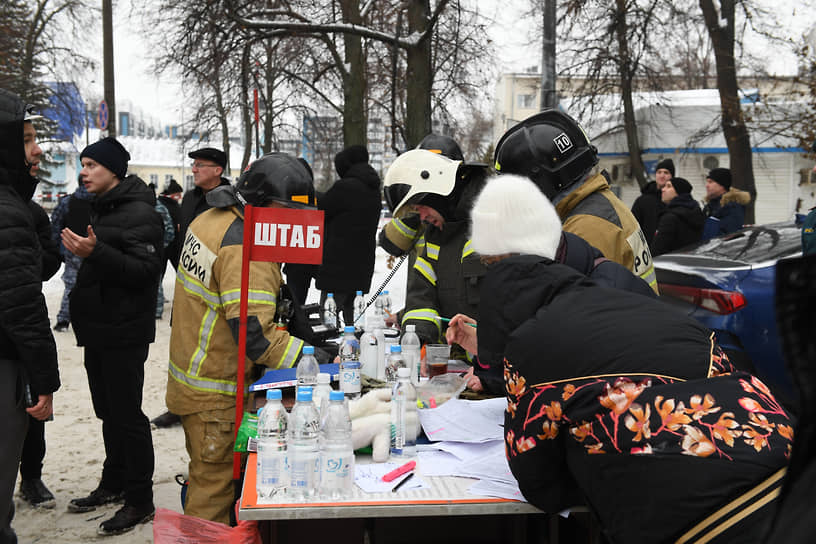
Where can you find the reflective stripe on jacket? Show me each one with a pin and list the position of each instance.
(206, 307)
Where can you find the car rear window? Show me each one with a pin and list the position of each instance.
(752, 244)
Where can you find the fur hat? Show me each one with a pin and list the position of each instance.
(511, 215)
(350, 156)
(721, 176)
(668, 164)
(681, 185)
(109, 153)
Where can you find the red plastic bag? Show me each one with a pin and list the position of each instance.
(170, 527)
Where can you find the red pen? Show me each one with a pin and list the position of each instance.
(397, 472)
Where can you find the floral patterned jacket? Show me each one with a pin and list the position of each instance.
(665, 444)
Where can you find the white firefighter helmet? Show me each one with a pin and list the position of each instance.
(417, 173)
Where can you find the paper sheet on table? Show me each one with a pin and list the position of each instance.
(467, 451)
(369, 478)
(492, 466)
(465, 420)
(439, 463)
(503, 490)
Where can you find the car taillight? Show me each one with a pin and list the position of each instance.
(713, 300)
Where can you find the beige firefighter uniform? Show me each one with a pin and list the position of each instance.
(593, 212)
(202, 381)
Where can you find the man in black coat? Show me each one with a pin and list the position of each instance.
(28, 353)
(112, 309)
(352, 208)
(170, 197)
(681, 222)
(648, 206)
(209, 165)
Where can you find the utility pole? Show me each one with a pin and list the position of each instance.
(549, 98)
(107, 65)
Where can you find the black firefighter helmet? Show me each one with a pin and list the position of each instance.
(550, 148)
(276, 177)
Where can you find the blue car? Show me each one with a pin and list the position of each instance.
(728, 284)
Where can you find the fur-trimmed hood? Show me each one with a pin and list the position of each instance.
(733, 196)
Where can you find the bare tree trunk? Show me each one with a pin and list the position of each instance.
(721, 30)
(107, 47)
(418, 75)
(354, 80)
(549, 98)
(627, 73)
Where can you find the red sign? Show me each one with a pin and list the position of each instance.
(285, 235)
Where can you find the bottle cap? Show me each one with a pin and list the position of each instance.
(385, 292)
(336, 395)
(308, 350)
(359, 293)
(304, 394)
(273, 394)
(396, 348)
(329, 295)
(403, 372)
(324, 377)
(349, 328)
(410, 328)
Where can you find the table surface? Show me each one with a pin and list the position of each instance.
(447, 496)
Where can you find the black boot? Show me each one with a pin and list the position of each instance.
(167, 419)
(36, 494)
(98, 497)
(126, 518)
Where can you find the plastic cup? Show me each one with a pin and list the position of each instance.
(437, 358)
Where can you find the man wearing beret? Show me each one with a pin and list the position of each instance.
(681, 222)
(112, 309)
(649, 205)
(725, 205)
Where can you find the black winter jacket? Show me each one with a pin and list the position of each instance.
(647, 209)
(352, 207)
(621, 401)
(25, 332)
(193, 204)
(681, 224)
(51, 258)
(114, 300)
(171, 252)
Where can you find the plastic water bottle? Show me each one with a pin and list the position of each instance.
(359, 309)
(369, 354)
(337, 453)
(379, 307)
(403, 415)
(272, 468)
(320, 395)
(330, 311)
(411, 347)
(307, 369)
(349, 345)
(395, 362)
(304, 447)
(386, 302)
(387, 338)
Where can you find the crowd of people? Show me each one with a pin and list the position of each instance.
(614, 400)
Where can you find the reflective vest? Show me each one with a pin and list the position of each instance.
(206, 304)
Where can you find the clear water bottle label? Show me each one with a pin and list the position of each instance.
(337, 466)
(350, 377)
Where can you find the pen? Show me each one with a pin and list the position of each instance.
(447, 320)
(402, 482)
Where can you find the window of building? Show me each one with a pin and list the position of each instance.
(154, 179)
(526, 101)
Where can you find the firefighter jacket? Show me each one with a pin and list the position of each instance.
(403, 235)
(593, 212)
(444, 281)
(204, 338)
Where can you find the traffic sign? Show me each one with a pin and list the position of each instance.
(102, 116)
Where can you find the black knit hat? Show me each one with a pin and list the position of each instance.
(681, 185)
(721, 176)
(109, 153)
(172, 188)
(351, 155)
(668, 164)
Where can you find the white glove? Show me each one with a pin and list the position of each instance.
(371, 423)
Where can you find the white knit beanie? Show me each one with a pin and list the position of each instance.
(511, 215)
